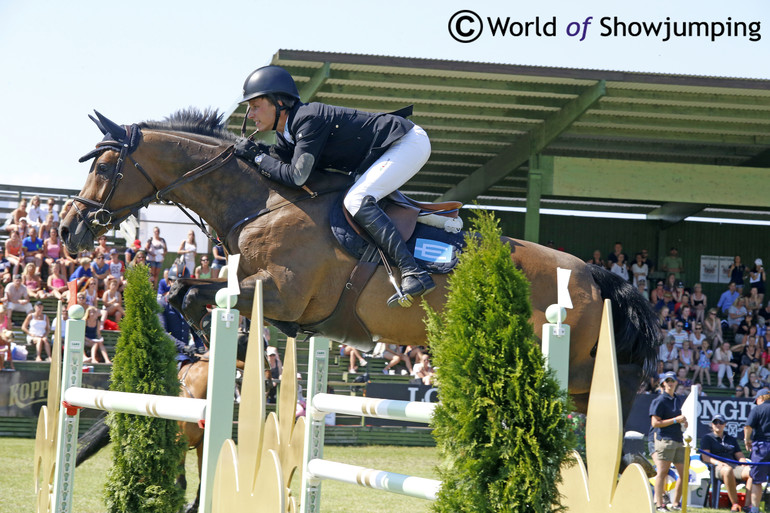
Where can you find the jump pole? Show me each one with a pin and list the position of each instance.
(211, 412)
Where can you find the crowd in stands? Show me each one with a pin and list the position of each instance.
(701, 337)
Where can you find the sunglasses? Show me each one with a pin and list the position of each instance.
(717, 422)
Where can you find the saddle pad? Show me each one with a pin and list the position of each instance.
(433, 248)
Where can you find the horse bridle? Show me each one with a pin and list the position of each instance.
(104, 217)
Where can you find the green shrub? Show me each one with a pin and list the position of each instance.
(502, 428)
(146, 451)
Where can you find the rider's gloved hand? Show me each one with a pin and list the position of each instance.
(246, 149)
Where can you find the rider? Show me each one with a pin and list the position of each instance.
(382, 150)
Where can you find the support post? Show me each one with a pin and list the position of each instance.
(315, 425)
(538, 164)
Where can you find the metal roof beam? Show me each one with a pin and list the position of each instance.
(529, 143)
(316, 82)
(674, 212)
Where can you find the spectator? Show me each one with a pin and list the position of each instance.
(113, 301)
(725, 446)
(665, 321)
(597, 259)
(35, 214)
(683, 382)
(723, 357)
(678, 292)
(156, 252)
(712, 328)
(756, 436)
(739, 392)
(102, 248)
(686, 318)
(6, 339)
(90, 292)
(648, 261)
(393, 354)
(177, 328)
(704, 364)
(757, 278)
(82, 272)
(37, 328)
(656, 295)
(16, 215)
(752, 382)
(666, 418)
(620, 267)
(5, 268)
(132, 250)
(745, 328)
(13, 251)
(737, 271)
(204, 271)
(220, 260)
(100, 270)
(764, 313)
(753, 302)
(5, 318)
(93, 338)
(424, 371)
(752, 355)
(57, 283)
(736, 313)
(69, 263)
(117, 269)
(678, 334)
(139, 259)
(688, 357)
(639, 270)
(668, 355)
(670, 284)
(51, 210)
(697, 337)
(16, 296)
(276, 370)
(52, 247)
(33, 282)
(47, 226)
(32, 249)
(613, 257)
(699, 301)
(673, 263)
(355, 357)
(188, 249)
(728, 297)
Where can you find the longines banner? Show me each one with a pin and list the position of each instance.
(23, 393)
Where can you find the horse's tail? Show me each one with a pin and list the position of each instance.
(93, 440)
(636, 325)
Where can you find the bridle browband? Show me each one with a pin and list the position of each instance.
(104, 217)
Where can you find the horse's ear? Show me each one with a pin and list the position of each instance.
(98, 124)
(117, 131)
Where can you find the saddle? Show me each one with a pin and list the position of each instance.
(440, 220)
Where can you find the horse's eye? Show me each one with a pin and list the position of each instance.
(102, 168)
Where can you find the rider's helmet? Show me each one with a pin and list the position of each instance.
(173, 272)
(269, 80)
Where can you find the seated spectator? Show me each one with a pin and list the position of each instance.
(739, 392)
(6, 339)
(139, 259)
(394, 355)
(355, 357)
(683, 381)
(132, 250)
(620, 267)
(639, 270)
(51, 210)
(5, 318)
(726, 446)
(764, 313)
(424, 371)
(665, 322)
(688, 358)
(616, 252)
(704, 364)
(723, 356)
(275, 370)
(35, 213)
(219, 259)
(597, 259)
(5, 268)
(37, 328)
(668, 301)
(113, 301)
(82, 273)
(752, 384)
(52, 247)
(100, 270)
(728, 297)
(656, 295)
(753, 302)
(673, 263)
(697, 337)
(686, 317)
(90, 292)
(12, 223)
(737, 272)
(736, 314)
(712, 328)
(33, 282)
(93, 338)
(32, 249)
(757, 278)
(16, 296)
(746, 328)
(678, 334)
(204, 271)
(13, 252)
(57, 283)
(678, 292)
(117, 269)
(752, 354)
(698, 300)
(668, 355)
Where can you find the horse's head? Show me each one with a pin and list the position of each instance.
(106, 199)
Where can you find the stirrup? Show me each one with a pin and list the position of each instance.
(404, 297)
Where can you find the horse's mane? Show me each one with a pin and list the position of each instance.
(191, 120)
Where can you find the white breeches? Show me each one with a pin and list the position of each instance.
(392, 170)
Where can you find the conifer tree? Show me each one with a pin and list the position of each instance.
(146, 451)
(502, 427)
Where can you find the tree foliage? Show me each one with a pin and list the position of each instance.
(502, 427)
(146, 451)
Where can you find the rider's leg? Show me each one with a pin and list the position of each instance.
(397, 165)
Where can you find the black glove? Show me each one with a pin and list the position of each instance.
(246, 149)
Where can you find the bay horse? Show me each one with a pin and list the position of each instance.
(285, 239)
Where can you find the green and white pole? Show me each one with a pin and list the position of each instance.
(556, 335)
(315, 427)
(69, 417)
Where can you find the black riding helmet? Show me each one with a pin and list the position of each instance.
(270, 81)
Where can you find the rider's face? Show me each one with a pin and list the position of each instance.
(262, 112)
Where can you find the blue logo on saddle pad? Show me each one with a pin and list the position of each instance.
(433, 251)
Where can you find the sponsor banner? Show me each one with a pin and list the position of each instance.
(735, 411)
(23, 393)
(400, 392)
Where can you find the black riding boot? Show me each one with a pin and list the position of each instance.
(414, 280)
